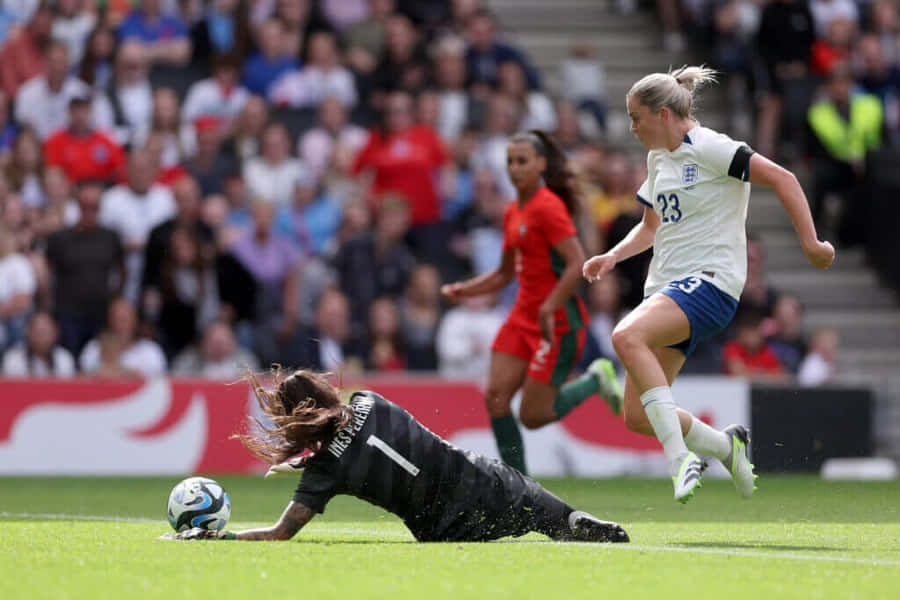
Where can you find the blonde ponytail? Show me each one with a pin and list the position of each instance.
(675, 90)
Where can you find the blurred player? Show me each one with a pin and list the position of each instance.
(696, 195)
(376, 451)
(544, 335)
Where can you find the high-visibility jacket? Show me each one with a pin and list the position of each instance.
(848, 141)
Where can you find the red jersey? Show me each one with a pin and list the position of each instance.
(93, 156)
(531, 231)
(763, 360)
(406, 162)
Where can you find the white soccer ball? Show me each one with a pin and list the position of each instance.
(198, 502)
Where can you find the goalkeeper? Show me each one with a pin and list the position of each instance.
(374, 450)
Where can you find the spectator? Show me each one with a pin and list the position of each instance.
(758, 295)
(208, 165)
(274, 174)
(22, 55)
(885, 24)
(88, 269)
(748, 355)
(271, 61)
(614, 194)
(321, 76)
(464, 338)
(43, 101)
(217, 357)
(189, 298)
(219, 96)
(486, 52)
(96, 68)
(845, 127)
(634, 270)
(820, 365)
(385, 346)
(23, 171)
(73, 24)
(454, 104)
(404, 63)
(81, 151)
(177, 140)
(535, 108)
(406, 158)
(420, 314)
(273, 262)
(787, 339)
(502, 122)
(735, 26)
(365, 39)
(334, 142)
(584, 81)
(129, 96)
(243, 144)
(186, 194)
(133, 209)
(880, 78)
(458, 178)
(58, 199)
(836, 47)
(221, 28)
(39, 355)
(164, 37)
(313, 218)
(785, 38)
(120, 340)
(569, 124)
(376, 262)
(18, 284)
(331, 345)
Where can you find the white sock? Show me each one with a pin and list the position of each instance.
(663, 416)
(703, 439)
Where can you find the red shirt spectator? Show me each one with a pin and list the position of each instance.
(405, 159)
(748, 354)
(82, 152)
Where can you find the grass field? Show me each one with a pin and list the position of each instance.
(798, 537)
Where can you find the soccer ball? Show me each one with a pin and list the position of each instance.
(198, 502)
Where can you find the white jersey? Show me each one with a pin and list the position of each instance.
(700, 192)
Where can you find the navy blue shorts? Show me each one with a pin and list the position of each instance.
(709, 310)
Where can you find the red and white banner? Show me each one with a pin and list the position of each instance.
(164, 426)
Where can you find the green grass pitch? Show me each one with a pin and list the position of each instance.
(799, 537)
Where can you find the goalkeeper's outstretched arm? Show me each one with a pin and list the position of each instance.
(292, 520)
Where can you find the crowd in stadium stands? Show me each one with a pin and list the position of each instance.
(194, 186)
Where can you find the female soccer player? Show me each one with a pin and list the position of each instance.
(374, 450)
(545, 333)
(696, 195)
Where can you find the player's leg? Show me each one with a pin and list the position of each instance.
(730, 446)
(551, 516)
(547, 397)
(659, 322)
(506, 375)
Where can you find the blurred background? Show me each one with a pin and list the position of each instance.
(191, 187)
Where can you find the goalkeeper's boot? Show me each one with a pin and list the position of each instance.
(609, 386)
(586, 527)
(738, 461)
(688, 478)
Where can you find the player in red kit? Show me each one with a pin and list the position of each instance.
(545, 332)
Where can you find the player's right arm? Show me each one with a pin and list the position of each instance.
(292, 520)
(640, 238)
(485, 283)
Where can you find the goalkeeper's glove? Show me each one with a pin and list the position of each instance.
(292, 467)
(198, 533)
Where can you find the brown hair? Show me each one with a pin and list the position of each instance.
(558, 176)
(304, 409)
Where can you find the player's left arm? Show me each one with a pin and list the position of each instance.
(292, 520)
(573, 254)
(765, 172)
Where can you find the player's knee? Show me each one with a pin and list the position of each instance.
(497, 402)
(532, 420)
(624, 339)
